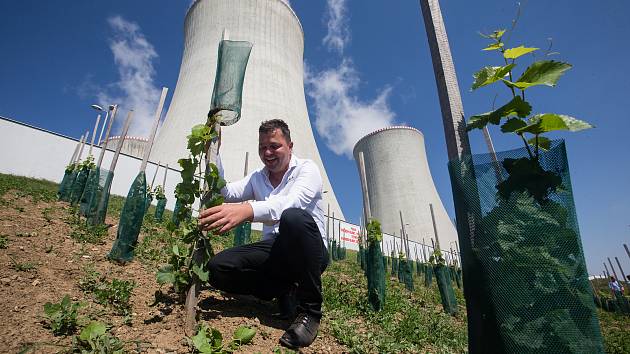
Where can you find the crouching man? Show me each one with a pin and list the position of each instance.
(286, 196)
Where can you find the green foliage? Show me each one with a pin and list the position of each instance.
(62, 317)
(374, 231)
(158, 191)
(615, 329)
(190, 253)
(210, 341)
(38, 190)
(527, 175)
(91, 279)
(86, 164)
(176, 271)
(115, 294)
(409, 322)
(94, 338)
(83, 232)
(540, 72)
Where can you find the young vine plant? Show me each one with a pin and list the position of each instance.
(182, 266)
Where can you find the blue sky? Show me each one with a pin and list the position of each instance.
(57, 59)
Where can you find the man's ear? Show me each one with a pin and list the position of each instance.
(291, 145)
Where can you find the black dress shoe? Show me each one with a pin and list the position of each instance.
(301, 333)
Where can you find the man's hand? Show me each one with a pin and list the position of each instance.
(225, 217)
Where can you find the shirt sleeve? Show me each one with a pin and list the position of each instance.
(239, 191)
(306, 187)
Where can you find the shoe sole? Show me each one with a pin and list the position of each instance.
(285, 343)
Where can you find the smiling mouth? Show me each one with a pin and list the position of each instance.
(271, 160)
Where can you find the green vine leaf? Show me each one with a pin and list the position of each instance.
(495, 34)
(542, 72)
(517, 106)
(513, 124)
(548, 122)
(494, 46)
(490, 74)
(543, 143)
(244, 335)
(514, 53)
(200, 272)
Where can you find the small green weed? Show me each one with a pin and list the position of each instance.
(36, 189)
(85, 233)
(62, 317)
(90, 280)
(22, 267)
(210, 341)
(46, 214)
(4, 241)
(115, 294)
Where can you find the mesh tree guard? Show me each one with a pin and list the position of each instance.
(428, 275)
(458, 278)
(339, 252)
(78, 186)
(228, 84)
(375, 269)
(101, 199)
(449, 302)
(175, 219)
(402, 264)
(243, 234)
(394, 264)
(130, 222)
(418, 268)
(66, 182)
(334, 250)
(529, 248)
(384, 262)
(408, 275)
(148, 201)
(159, 209)
(91, 186)
(622, 302)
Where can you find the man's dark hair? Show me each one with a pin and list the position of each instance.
(269, 126)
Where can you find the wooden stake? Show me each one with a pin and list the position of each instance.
(107, 132)
(621, 269)
(364, 189)
(437, 240)
(86, 135)
(156, 122)
(328, 225)
(164, 180)
(121, 140)
(76, 151)
(613, 269)
(627, 250)
(246, 160)
(155, 174)
(98, 119)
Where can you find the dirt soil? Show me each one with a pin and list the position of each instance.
(38, 234)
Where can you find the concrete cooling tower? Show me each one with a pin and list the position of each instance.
(398, 179)
(273, 88)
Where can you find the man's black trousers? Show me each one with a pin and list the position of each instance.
(268, 268)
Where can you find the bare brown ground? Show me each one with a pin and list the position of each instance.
(59, 264)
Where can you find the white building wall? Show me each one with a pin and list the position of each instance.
(399, 179)
(37, 153)
(274, 86)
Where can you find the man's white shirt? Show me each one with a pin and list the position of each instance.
(301, 187)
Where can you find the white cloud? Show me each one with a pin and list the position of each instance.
(341, 118)
(135, 88)
(338, 34)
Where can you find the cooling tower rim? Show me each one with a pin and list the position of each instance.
(394, 127)
(283, 2)
(137, 138)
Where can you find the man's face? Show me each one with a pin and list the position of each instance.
(274, 151)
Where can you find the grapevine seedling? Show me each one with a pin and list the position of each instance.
(62, 317)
